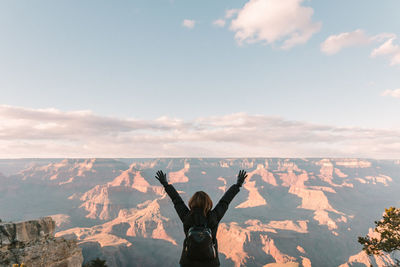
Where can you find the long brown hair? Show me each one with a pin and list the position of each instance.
(202, 200)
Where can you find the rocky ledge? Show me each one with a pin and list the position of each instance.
(33, 243)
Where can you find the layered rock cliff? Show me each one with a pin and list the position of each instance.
(33, 243)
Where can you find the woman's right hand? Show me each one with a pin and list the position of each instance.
(241, 177)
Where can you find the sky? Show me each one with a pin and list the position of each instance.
(175, 78)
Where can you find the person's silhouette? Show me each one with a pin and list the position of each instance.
(200, 222)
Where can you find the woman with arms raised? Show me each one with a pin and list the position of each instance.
(200, 222)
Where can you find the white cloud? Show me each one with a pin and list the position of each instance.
(228, 15)
(286, 22)
(388, 49)
(231, 12)
(219, 22)
(189, 23)
(393, 93)
(53, 133)
(383, 37)
(335, 43)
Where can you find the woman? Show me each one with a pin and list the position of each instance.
(200, 223)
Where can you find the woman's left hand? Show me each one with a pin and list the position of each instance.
(162, 177)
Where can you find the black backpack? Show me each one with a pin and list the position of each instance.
(199, 245)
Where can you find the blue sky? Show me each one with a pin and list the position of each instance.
(135, 60)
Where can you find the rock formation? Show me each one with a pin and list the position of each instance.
(33, 243)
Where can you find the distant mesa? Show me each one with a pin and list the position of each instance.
(179, 176)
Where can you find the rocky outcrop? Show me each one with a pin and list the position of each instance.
(33, 243)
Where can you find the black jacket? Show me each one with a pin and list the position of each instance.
(195, 217)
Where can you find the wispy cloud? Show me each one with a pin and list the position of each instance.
(219, 23)
(231, 12)
(28, 132)
(284, 22)
(334, 43)
(390, 50)
(387, 48)
(228, 15)
(188, 23)
(393, 93)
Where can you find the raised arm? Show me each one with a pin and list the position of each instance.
(226, 199)
(179, 205)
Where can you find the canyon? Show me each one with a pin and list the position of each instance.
(289, 212)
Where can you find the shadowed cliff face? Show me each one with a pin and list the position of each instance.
(33, 243)
(290, 212)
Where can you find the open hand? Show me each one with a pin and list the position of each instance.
(241, 177)
(162, 177)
